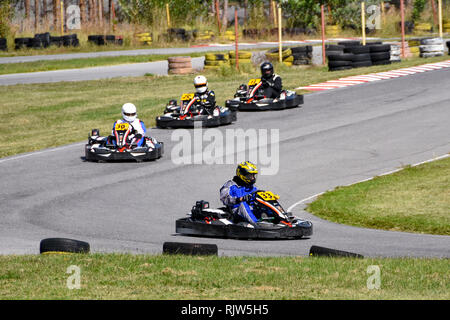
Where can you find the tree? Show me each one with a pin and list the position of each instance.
(225, 16)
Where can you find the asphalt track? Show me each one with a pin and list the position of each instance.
(338, 137)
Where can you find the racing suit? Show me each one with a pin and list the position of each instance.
(230, 194)
(137, 133)
(207, 100)
(272, 86)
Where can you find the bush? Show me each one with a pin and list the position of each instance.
(6, 14)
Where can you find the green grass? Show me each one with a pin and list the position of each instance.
(415, 199)
(50, 65)
(54, 114)
(125, 276)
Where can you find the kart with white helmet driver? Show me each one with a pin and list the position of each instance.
(195, 108)
(125, 142)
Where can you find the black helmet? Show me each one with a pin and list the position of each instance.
(266, 70)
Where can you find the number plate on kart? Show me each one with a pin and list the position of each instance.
(121, 126)
(187, 97)
(253, 82)
(268, 196)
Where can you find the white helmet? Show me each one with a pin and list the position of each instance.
(129, 112)
(200, 84)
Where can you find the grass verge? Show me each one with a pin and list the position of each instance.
(55, 114)
(415, 199)
(50, 65)
(161, 277)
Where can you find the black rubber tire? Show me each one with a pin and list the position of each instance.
(360, 64)
(301, 62)
(334, 47)
(341, 57)
(349, 43)
(380, 48)
(327, 252)
(377, 56)
(331, 52)
(301, 49)
(334, 64)
(195, 249)
(361, 57)
(63, 245)
(357, 49)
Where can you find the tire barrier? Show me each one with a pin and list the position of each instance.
(423, 28)
(101, 40)
(409, 27)
(195, 249)
(317, 251)
(351, 54)
(380, 54)
(216, 60)
(203, 35)
(3, 44)
(446, 25)
(361, 55)
(44, 40)
(396, 52)
(178, 34)
(448, 46)
(63, 245)
(144, 38)
(258, 33)
(228, 36)
(286, 55)
(302, 55)
(332, 30)
(431, 47)
(180, 65)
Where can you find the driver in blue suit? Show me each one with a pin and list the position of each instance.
(238, 192)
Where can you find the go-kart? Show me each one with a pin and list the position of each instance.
(191, 111)
(250, 97)
(274, 222)
(121, 146)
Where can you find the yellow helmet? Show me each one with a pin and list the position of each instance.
(247, 172)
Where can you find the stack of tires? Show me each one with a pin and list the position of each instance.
(180, 65)
(432, 47)
(3, 44)
(361, 55)
(302, 55)
(203, 35)
(448, 46)
(177, 34)
(380, 54)
(216, 60)
(228, 36)
(396, 52)
(413, 45)
(21, 43)
(446, 25)
(101, 40)
(333, 30)
(245, 57)
(286, 55)
(144, 38)
(340, 61)
(423, 28)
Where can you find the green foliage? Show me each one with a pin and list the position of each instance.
(302, 13)
(153, 12)
(6, 14)
(419, 6)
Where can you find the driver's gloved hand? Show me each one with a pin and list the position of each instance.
(247, 197)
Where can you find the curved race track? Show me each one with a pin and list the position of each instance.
(338, 137)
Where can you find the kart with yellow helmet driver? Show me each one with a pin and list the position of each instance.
(199, 107)
(249, 213)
